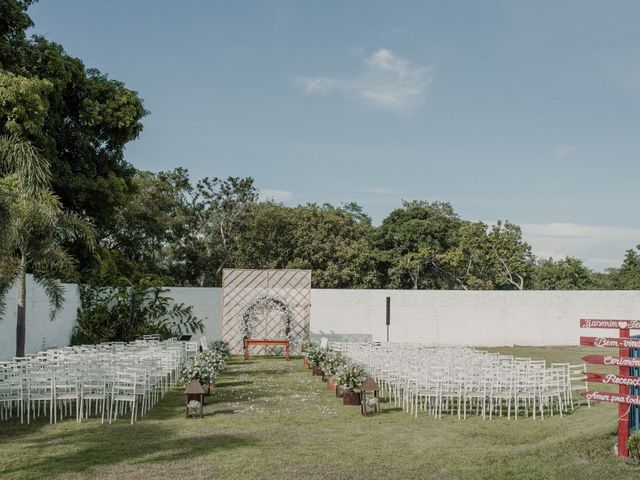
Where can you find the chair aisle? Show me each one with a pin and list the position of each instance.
(105, 380)
(461, 381)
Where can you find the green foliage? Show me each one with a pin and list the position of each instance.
(633, 446)
(78, 118)
(34, 228)
(627, 277)
(126, 311)
(22, 103)
(22, 159)
(566, 274)
(409, 240)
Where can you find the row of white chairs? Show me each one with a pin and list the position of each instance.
(460, 380)
(108, 379)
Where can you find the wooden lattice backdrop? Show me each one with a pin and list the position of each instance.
(240, 287)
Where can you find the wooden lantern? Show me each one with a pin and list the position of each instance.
(371, 405)
(195, 392)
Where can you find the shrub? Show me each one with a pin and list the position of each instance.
(128, 311)
(633, 446)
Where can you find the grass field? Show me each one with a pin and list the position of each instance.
(270, 419)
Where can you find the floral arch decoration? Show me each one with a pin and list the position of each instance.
(266, 303)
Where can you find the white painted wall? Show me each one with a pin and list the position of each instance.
(207, 305)
(41, 333)
(437, 317)
(481, 318)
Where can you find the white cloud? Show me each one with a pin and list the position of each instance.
(599, 246)
(275, 195)
(564, 151)
(356, 188)
(386, 81)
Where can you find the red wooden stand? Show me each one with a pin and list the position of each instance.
(268, 342)
(623, 380)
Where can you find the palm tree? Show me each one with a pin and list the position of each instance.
(33, 229)
(18, 156)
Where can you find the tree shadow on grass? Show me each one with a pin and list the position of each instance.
(98, 446)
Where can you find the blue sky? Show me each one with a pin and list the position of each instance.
(527, 111)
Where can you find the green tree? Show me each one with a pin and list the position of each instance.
(512, 257)
(627, 277)
(155, 221)
(87, 122)
(471, 263)
(334, 243)
(566, 274)
(22, 104)
(409, 242)
(34, 228)
(224, 208)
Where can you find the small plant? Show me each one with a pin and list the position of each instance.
(633, 446)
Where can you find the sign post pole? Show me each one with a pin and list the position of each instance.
(623, 409)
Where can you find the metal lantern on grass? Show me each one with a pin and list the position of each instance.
(194, 393)
(369, 401)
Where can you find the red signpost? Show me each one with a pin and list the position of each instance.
(623, 380)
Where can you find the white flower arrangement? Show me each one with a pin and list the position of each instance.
(254, 314)
(193, 406)
(204, 367)
(331, 363)
(351, 376)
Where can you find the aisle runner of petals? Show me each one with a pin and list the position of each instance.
(256, 387)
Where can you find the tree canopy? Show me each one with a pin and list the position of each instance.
(74, 123)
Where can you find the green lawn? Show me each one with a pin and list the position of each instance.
(271, 419)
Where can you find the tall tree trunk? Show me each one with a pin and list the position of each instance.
(22, 307)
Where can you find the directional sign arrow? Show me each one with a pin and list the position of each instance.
(612, 397)
(610, 342)
(613, 379)
(610, 360)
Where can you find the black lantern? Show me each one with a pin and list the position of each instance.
(194, 393)
(369, 401)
